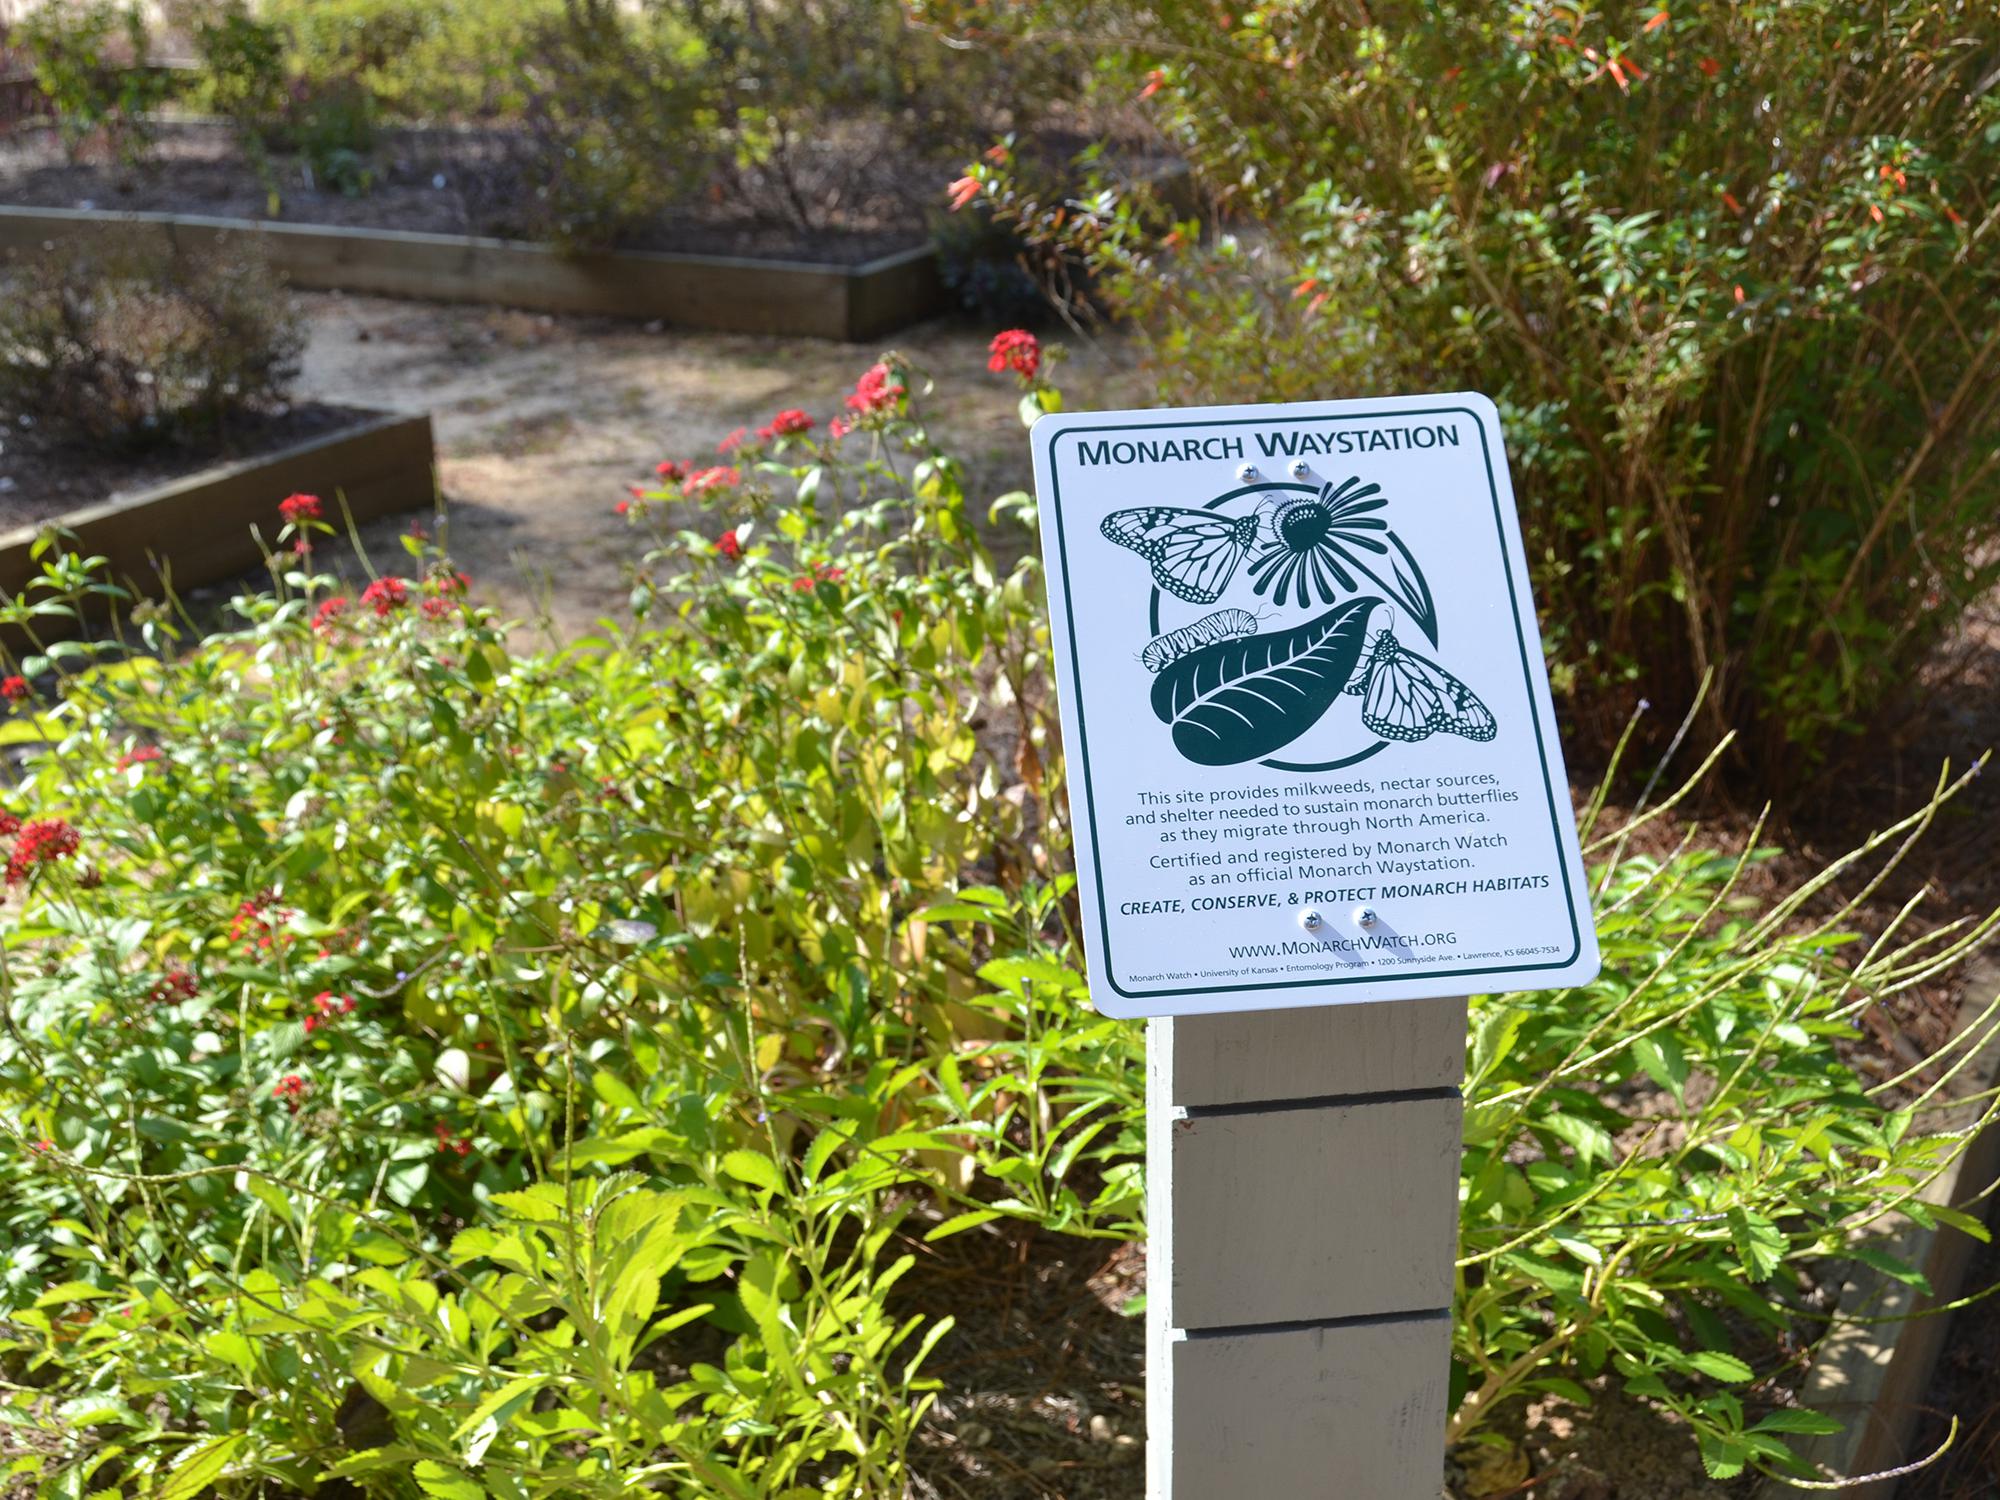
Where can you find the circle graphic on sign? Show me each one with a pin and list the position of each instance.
(1271, 606)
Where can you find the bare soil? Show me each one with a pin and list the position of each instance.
(40, 479)
(852, 206)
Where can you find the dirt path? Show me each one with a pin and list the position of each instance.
(542, 421)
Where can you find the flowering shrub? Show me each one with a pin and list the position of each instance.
(535, 1075)
(1727, 270)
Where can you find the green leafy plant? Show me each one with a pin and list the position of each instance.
(90, 59)
(446, 1071)
(1727, 271)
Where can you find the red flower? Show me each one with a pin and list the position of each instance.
(876, 390)
(437, 609)
(821, 573)
(449, 1142)
(386, 595)
(672, 472)
(962, 192)
(329, 612)
(42, 841)
(14, 688)
(621, 507)
(838, 428)
(1155, 81)
(1017, 350)
(327, 1007)
(1709, 66)
(10, 824)
(291, 1088)
(258, 920)
(301, 508)
(787, 423)
(44, 1145)
(144, 755)
(728, 545)
(178, 983)
(703, 480)
(731, 443)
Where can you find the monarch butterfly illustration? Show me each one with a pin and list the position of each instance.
(1193, 553)
(1407, 697)
(1223, 625)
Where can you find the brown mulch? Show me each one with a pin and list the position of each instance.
(866, 199)
(1043, 1373)
(41, 480)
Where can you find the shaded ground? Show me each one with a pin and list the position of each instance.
(40, 479)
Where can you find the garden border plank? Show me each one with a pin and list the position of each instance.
(1874, 1376)
(197, 529)
(728, 294)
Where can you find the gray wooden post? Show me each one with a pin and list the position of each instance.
(1302, 1225)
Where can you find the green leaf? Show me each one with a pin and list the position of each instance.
(958, 1223)
(1891, 1267)
(754, 1168)
(1812, 1423)
(1241, 700)
(447, 1484)
(200, 1467)
(1719, 1366)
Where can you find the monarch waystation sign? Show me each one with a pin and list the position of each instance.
(1313, 757)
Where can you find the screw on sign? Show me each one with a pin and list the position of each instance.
(1318, 798)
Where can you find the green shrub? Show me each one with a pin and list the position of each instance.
(1727, 269)
(448, 1071)
(129, 343)
(90, 58)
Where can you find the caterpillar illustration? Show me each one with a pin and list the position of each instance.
(1223, 625)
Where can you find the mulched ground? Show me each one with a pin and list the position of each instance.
(40, 480)
(863, 198)
(1043, 1373)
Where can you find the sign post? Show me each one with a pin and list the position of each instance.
(1313, 763)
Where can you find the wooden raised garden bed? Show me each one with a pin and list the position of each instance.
(196, 530)
(724, 293)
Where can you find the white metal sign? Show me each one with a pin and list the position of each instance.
(1312, 754)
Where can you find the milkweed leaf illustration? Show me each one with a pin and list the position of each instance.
(1240, 700)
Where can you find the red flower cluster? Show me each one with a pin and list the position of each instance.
(962, 192)
(42, 841)
(178, 983)
(878, 389)
(672, 472)
(436, 608)
(731, 443)
(327, 1008)
(838, 428)
(451, 1143)
(291, 1088)
(144, 755)
(259, 919)
(386, 595)
(329, 612)
(788, 423)
(703, 480)
(728, 545)
(301, 508)
(14, 688)
(10, 824)
(1017, 350)
(821, 573)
